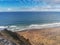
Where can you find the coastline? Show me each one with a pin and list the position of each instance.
(42, 36)
(47, 36)
(15, 28)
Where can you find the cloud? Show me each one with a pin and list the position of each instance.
(43, 5)
(52, 1)
(37, 8)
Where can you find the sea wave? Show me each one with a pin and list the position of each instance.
(32, 26)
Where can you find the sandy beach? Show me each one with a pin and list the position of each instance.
(47, 36)
(44, 36)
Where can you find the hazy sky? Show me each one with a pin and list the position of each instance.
(29, 5)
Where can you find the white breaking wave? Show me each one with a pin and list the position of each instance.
(37, 26)
(32, 26)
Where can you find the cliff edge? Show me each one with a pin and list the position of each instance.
(12, 38)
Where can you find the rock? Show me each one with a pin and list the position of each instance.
(6, 42)
(12, 38)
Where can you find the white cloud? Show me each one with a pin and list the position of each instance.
(52, 2)
(36, 8)
(9, 9)
(51, 5)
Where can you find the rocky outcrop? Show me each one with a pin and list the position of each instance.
(6, 42)
(12, 38)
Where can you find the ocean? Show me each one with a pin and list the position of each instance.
(17, 21)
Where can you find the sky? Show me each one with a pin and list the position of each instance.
(29, 5)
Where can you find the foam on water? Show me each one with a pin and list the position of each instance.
(32, 26)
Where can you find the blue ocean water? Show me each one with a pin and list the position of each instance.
(28, 18)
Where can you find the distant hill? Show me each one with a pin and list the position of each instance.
(12, 38)
(48, 36)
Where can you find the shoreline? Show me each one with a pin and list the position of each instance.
(42, 29)
(28, 27)
(47, 36)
